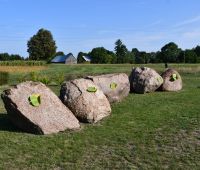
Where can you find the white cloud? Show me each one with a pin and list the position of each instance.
(155, 23)
(188, 21)
(192, 34)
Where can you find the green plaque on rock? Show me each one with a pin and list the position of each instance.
(113, 86)
(35, 100)
(92, 89)
(174, 77)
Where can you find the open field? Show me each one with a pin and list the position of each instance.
(152, 131)
(21, 69)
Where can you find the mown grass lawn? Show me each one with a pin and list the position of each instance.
(152, 131)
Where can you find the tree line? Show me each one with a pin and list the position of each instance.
(42, 46)
(9, 57)
(169, 53)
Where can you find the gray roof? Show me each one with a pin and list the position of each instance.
(87, 58)
(61, 58)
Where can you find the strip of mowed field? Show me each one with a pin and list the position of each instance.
(158, 130)
(21, 69)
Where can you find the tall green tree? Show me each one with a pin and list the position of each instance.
(152, 57)
(59, 53)
(170, 52)
(197, 51)
(142, 57)
(4, 56)
(7, 57)
(16, 57)
(102, 56)
(135, 51)
(130, 57)
(121, 52)
(190, 56)
(181, 57)
(41, 46)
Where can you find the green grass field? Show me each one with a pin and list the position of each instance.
(158, 130)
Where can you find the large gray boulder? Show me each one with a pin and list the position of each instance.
(34, 108)
(172, 80)
(145, 80)
(114, 86)
(85, 99)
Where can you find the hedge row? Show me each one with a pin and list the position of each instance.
(22, 63)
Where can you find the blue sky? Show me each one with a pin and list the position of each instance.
(80, 25)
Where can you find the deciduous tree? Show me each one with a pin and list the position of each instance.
(101, 55)
(41, 46)
(170, 52)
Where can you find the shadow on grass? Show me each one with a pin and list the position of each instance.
(6, 124)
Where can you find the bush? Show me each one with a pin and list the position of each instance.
(44, 79)
(60, 78)
(4, 78)
(34, 76)
(55, 79)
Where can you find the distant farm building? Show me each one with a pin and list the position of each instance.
(65, 59)
(87, 59)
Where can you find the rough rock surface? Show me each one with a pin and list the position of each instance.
(51, 116)
(144, 80)
(86, 106)
(171, 84)
(105, 82)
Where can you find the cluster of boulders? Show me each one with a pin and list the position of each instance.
(145, 80)
(34, 108)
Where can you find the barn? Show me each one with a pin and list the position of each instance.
(87, 59)
(65, 59)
